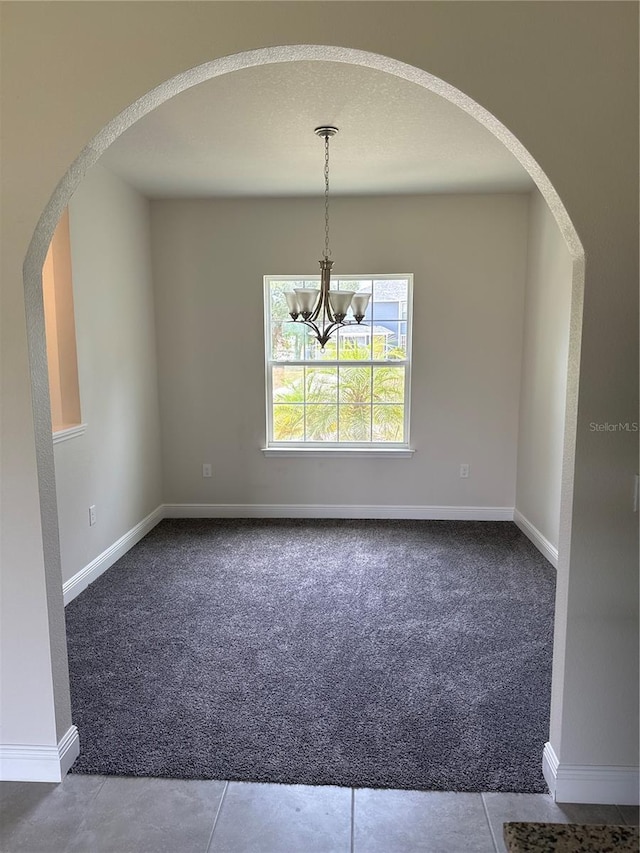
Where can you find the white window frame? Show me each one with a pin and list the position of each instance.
(324, 448)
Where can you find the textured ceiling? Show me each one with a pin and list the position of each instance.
(250, 133)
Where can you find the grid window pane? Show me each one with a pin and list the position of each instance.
(288, 341)
(322, 384)
(388, 298)
(388, 343)
(388, 422)
(355, 423)
(288, 384)
(358, 285)
(355, 385)
(321, 423)
(388, 384)
(381, 342)
(288, 423)
(354, 342)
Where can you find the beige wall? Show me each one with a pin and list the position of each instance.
(116, 464)
(563, 77)
(468, 256)
(544, 373)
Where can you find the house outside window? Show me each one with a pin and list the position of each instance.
(354, 394)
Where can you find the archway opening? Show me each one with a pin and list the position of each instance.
(33, 263)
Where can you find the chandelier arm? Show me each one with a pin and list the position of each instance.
(327, 332)
(311, 325)
(318, 308)
(322, 336)
(323, 304)
(333, 326)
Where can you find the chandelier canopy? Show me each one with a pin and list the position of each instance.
(325, 310)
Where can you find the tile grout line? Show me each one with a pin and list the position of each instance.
(619, 810)
(353, 809)
(104, 780)
(486, 814)
(83, 820)
(215, 820)
(624, 821)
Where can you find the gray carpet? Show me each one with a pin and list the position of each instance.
(404, 654)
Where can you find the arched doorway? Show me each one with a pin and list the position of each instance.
(226, 65)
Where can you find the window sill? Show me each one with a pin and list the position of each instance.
(340, 452)
(69, 432)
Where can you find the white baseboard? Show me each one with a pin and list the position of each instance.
(104, 561)
(577, 783)
(461, 513)
(27, 763)
(543, 545)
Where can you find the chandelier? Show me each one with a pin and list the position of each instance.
(325, 310)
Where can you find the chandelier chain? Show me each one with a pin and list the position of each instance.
(324, 311)
(327, 250)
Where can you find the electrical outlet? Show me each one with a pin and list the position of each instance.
(464, 470)
(206, 469)
(92, 515)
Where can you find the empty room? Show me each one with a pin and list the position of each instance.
(311, 329)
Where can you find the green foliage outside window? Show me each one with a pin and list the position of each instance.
(342, 402)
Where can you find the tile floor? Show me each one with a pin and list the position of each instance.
(98, 814)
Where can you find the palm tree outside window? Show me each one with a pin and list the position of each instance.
(355, 392)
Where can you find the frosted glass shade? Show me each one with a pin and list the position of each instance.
(340, 301)
(292, 304)
(307, 298)
(359, 304)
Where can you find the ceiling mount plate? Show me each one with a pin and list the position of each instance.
(325, 131)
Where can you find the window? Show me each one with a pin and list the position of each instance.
(60, 331)
(355, 393)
